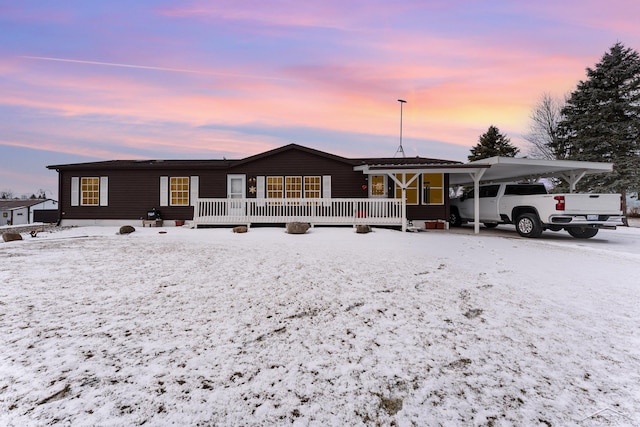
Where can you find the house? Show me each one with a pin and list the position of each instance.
(27, 211)
(280, 185)
(290, 183)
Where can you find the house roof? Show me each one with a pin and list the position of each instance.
(225, 163)
(10, 204)
(147, 164)
(491, 169)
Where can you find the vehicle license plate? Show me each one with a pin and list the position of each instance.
(592, 217)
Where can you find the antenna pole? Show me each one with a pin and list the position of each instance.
(400, 149)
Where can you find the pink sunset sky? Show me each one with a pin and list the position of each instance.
(87, 81)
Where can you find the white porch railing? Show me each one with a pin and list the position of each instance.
(313, 211)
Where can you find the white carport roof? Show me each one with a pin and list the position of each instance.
(513, 169)
(496, 169)
(492, 169)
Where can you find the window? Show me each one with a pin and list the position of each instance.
(90, 191)
(524, 189)
(293, 187)
(274, 187)
(378, 185)
(432, 188)
(312, 187)
(179, 190)
(489, 191)
(412, 189)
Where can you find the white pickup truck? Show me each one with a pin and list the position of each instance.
(533, 210)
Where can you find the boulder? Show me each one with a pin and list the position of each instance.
(240, 229)
(297, 227)
(363, 228)
(127, 229)
(10, 237)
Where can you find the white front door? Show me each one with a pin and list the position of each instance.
(236, 189)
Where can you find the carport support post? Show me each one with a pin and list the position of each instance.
(476, 199)
(572, 177)
(404, 209)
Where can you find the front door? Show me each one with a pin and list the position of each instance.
(236, 189)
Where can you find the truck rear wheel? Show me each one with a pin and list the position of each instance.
(582, 232)
(528, 225)
(454, 218)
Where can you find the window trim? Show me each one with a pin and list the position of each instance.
(317, 183)
(385, 186)
(187, 191)
(92, 194)
(296, 181)
(271, 193)
(322, 184)
(424, 187)
(101, 193)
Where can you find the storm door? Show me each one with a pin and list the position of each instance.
(236, 192)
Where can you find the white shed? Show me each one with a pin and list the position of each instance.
(25, 211)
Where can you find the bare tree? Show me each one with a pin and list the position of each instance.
(543, 133)
(6, 194)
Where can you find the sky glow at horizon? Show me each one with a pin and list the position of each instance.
(88, 81)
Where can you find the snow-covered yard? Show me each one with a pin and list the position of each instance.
(207, 327)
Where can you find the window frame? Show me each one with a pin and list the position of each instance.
(179, 196)
(293, 187)
(273, 187)
(384, 185)
(436, 188)
(316, 191)
(95, 190)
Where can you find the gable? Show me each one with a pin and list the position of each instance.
(292, 151)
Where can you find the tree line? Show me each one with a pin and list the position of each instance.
(10, 195)
(599, 121)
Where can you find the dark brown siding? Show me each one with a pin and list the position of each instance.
(345, 183)
(135, 190)
(131, 194)
(419, 212)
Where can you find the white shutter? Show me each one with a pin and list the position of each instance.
(260, 190)
(194, 188)
(75, 191)
(104, 191)
(164, 191)
(326, 189)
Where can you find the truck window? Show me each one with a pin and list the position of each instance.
(489, 191)
(524, 189)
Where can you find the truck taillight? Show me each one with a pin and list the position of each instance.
(622, 205)
(559, 203)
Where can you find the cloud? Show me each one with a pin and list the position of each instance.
(154, 68)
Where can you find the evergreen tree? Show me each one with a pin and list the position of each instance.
(493, 143)
(601, 122)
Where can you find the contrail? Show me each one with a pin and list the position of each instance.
(145, 67)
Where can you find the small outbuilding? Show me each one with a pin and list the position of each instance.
(27, 211)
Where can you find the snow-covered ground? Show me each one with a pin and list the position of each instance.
(332, 328)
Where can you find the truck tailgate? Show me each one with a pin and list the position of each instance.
(607, 204)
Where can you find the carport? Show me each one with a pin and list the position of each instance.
(492, 169)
